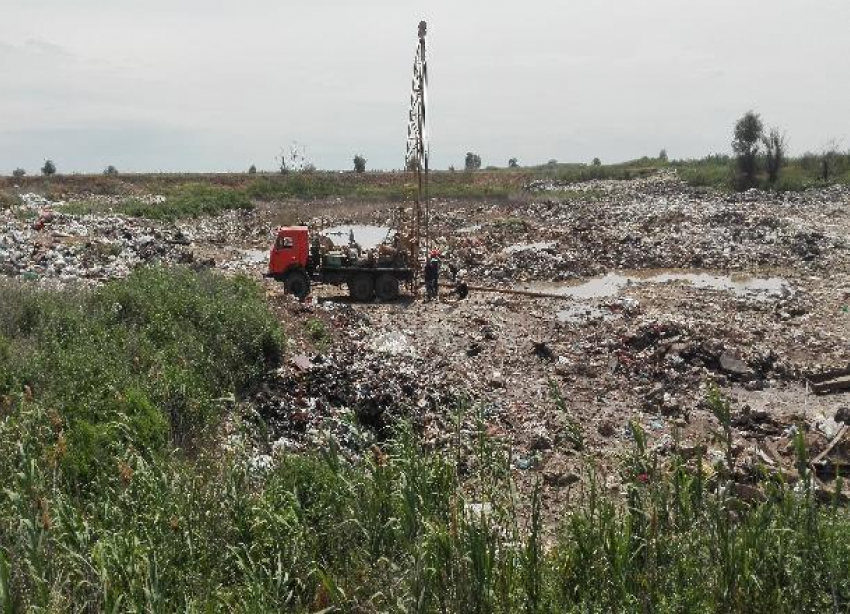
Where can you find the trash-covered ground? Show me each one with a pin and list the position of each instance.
(628, 298)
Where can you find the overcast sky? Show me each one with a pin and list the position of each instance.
(214, 85)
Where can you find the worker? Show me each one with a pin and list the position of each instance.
(432, 275)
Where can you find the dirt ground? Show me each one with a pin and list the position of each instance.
(748, 291)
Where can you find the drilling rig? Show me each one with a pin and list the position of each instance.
(416, 156)
(299, 258)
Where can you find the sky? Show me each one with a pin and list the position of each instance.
(214, 85)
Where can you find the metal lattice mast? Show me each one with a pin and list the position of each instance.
(416, 157)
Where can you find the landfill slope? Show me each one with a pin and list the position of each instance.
(749, 292)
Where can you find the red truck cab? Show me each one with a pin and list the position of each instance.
(290, 250)
(289, 258)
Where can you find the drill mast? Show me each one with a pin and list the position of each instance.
(416, 157)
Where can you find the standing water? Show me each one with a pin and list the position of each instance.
(368, 237)
(613, 283)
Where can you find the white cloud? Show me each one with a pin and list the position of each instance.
(219, 85)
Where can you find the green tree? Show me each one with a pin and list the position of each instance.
(49, 168)
(774, 151)
(252, 170)
(662, 156)
(359, 164)
(513, 163)
(597, 162)
(472, 162)
(18, 173)
(110, 170)
(749, 131)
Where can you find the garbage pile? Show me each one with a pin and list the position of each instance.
(650, 224)
(357, 390)
(38, 241)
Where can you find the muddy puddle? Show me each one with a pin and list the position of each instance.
(614, 283)
(577, 314)
(367, 236)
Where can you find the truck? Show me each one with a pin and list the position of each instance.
(299, 259)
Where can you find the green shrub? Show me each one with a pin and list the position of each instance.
(706, 175)
(317, 331)
(8, 200)
(139, 361)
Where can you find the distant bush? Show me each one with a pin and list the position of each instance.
(49, 168)
(252, 170)
(513, 163)
(292, 185)
(18, 173)
(831, 162)
(7, 199)
(596, 162)
(472, 162)
(577, 173)
(110, 170)
(359, 164)
(662, 156)
(295, 160)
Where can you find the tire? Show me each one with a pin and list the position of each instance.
(297, 283)
(386, 287)
(361, 288)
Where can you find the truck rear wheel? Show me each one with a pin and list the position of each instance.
(386, 286)
(361, 288)
(297, 283)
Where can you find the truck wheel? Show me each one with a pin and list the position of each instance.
(386, 286)
(297, 284)
(361, 288)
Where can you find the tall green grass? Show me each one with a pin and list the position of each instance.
(191, 200)
(405, 529)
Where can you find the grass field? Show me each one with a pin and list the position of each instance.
(194, 195)
(120, 494)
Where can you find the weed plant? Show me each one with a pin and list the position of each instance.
(399, 531)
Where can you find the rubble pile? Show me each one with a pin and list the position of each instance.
(38, 241)
(357, 391)
(654, 224)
